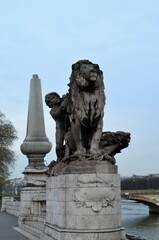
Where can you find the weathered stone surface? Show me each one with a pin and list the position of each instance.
(36, 145)
(84, 205)
(79, 119)
(82, 198)
(83, 190)
(32, 209)
(81, 235)
(83, 166)
(10, 205)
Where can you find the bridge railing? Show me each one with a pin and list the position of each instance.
(128, 193)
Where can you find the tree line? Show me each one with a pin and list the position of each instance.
(8, 134)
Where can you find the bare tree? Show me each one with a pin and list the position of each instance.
(7, 135)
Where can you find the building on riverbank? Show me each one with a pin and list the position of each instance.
(140, 182)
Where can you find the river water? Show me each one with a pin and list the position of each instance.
(138, 222)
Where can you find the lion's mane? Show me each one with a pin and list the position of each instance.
(88, 99)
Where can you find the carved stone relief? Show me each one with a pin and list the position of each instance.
(91, 193)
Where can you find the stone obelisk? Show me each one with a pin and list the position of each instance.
(36, 144)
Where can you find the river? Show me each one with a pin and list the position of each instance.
(138, 222)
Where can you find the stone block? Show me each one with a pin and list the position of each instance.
(84, 206)
(56, 234)
(88, 222)
(59, 207)
(57, 194)
(71, 180)
(106, 167)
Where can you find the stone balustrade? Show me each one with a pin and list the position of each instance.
(11, 205)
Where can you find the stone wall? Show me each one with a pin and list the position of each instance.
(11, 205)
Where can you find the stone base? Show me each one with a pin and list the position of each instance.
(55, 233)
(84, 204)
(35, 177)
(32, 210)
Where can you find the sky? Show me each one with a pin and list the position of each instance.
(46, 37)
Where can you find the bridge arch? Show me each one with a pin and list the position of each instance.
(152, 201)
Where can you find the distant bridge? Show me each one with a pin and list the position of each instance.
(149, 198)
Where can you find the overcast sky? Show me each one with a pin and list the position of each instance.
(46, 37)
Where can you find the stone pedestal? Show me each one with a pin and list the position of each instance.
(32, 210)
(84, 204)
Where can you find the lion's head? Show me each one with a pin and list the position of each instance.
(86, 74)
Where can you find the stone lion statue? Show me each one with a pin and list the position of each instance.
(79, 119)
(87, 106)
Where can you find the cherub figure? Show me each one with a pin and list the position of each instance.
(59, 113)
